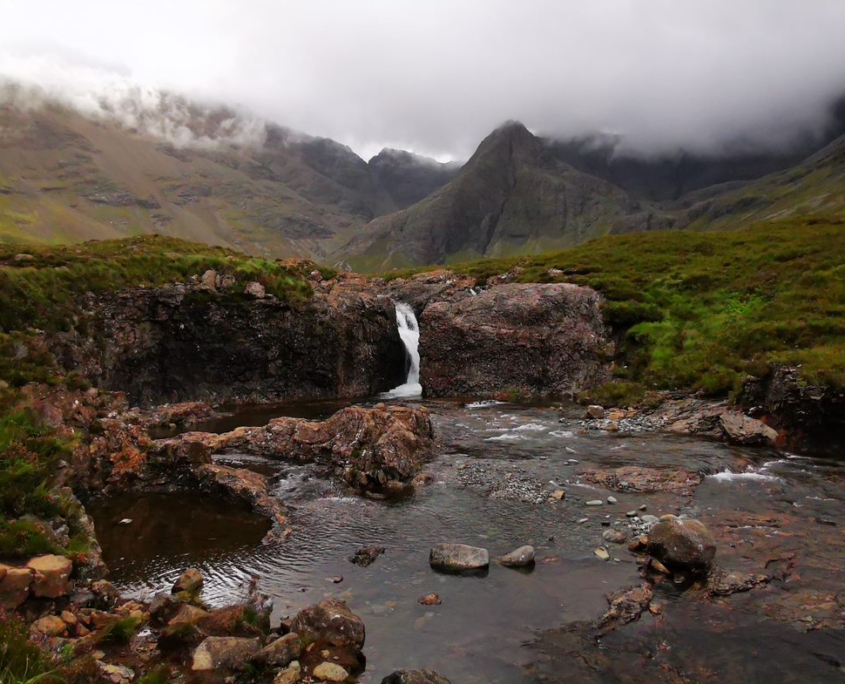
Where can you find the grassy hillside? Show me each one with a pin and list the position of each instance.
(702, 310)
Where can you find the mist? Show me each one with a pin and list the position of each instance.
(438, 76)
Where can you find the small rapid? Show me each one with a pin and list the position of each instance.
(409, 332)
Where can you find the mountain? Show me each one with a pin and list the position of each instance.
(512, 196)
(65, 177)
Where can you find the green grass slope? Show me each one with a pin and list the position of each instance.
(702, 310)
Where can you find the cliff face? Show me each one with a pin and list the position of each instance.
(189, 342)
(180, 343)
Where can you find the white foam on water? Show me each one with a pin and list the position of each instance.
(486, 403)
(728, 476)
(531, 427)
(507, 437)
(563, 434)
(409, 332)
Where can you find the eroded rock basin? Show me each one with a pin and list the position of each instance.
(775, 517)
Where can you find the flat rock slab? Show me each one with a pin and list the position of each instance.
(458, 557)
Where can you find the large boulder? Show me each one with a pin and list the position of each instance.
(329, 622)
(683, 545)
(746, 431)
(52, 576)
(415, 677)
(224, 653)
(532, 339)
(458, 558)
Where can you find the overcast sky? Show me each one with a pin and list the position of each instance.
(436, 76)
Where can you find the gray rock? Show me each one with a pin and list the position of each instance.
(519, 558)
(595, 502)
(614, 536)
(458, 557)
(611, 500)
(746, 431)
(415, 677)
(650, 519)
(256, 289)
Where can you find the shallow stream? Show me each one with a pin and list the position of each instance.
(496, 467)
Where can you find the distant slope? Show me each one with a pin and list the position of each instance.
(66, 178)
(815, 187)
(510, 197)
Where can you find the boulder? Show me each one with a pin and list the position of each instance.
(519, 558)
(224, 653)
(188, 616)
(51, 625)
(163, 608)
(532, 339)
(280, 652)
(209, 280)
(52, 575)
(746, 431)
(14, 585)
(682, 544)
(190, 582)
(458, 557)
(595, 412)
(330, 622)
(415, 677)
(330, 672)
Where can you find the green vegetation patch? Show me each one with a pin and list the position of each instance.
(700, 311)
(41, 287)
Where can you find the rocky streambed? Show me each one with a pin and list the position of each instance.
(592, 607)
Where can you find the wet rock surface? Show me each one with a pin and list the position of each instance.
(458, 557)
(682, 544)
(415, 677)
(533, 339)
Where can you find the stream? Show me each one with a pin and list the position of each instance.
(773, 513)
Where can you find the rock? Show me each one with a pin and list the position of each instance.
(52, 574)
(366, 555)
(519, 558)
(649, 519)
(429, 600)
(458, 557)
(256, 289)
(280, 652)
(188, 615)
(208, 281)
(415, 677)
(330, 672)
(626, 606)
(330, 622)
(614, 536)
(602, 554)
(631, 514)
(595, 502)
(645, 480)
(224, 653)
(242, 486)
(745, 431)
(595, 412)
(190, 582)
(558, 495)
(533, 339)
(611, 500)
(14, 585)
(289, 676)
(682, 544)
(163, 608)
(116, 674)
(51, 625)
(24, 257)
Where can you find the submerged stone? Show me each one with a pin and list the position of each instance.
(415, 677)
(682, 544)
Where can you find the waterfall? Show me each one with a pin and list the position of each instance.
(409, 331)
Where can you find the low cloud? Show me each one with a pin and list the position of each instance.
(436, 77)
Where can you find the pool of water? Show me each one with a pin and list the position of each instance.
(495, 468)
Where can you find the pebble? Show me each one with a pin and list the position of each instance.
(558, 495)
(643, 507)
(330, 672)
(583, 520)
(650, 519)
(611, 499)
(614, 536)
(595, 502)
(602, 553)
(631, 514)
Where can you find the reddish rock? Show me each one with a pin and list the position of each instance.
(329, 622)
(645, 480)
(52, 575)
(14, 585)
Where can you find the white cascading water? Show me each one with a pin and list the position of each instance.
(409, 331)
